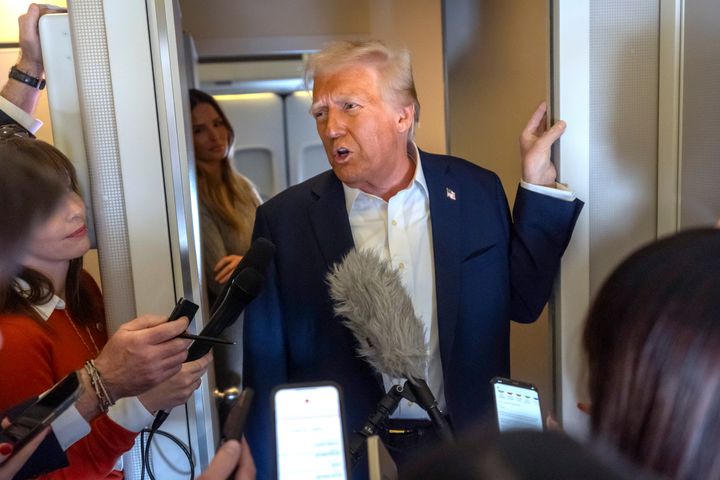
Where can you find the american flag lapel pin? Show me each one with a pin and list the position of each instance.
(450, 194)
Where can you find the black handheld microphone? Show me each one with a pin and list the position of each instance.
(243, 286)
(368, 293)
(258, 257)
(243, 289)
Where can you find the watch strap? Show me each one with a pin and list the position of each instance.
(23, 77)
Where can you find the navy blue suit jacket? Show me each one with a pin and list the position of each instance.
(488, 270)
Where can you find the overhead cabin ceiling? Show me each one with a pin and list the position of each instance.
(251, 28)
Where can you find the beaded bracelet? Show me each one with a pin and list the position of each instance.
(105, 401)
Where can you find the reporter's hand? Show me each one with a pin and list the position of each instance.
(10, 467)
(141, 354)
(231, 455)
(178, 388)
(30, 60)
(225, 266)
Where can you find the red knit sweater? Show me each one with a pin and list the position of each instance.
(34, 357)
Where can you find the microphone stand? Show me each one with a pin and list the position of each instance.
(426, 400)
(417, 392)
(384, 408)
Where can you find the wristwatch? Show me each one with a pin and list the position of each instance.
(23, 77)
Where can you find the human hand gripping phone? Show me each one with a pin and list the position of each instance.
(41, 413)
(186, 308)
(517, 405)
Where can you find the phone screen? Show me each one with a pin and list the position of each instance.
(309, 432)
(42, 412)
(517, 405)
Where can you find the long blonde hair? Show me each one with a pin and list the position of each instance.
(223, 198)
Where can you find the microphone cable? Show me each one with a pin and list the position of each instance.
(145, 448)
(145, 452)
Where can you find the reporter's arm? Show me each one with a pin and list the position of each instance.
(29, 62)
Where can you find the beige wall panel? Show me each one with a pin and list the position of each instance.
(417, 26)
(497, 75)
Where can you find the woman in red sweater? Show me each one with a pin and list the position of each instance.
(53, 322)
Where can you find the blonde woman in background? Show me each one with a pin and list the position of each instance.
(227, 213)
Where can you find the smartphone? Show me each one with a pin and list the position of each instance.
(234, 425)
(309, 433)
(517, 405)
(183, 308)
(33, 419)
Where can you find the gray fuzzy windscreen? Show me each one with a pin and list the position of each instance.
(369, 294)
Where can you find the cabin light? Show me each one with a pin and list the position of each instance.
(243, 96)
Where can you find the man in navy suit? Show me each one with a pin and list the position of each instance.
(441, 221)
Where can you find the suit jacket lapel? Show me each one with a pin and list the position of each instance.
(329, 219)
(331, 226)
(445, 215)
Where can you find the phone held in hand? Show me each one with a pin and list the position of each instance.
(234, 425)
(183, 308)
(517, 405)
(42, 412)
(309, 434)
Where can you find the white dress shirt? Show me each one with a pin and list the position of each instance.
(400, 230)
(27, 121)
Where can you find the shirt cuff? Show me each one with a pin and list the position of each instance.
(130, 414)
(561, 192)
(69, 427)
(24, 119)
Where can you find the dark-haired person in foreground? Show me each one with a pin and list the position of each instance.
(652, 340)
(443, 222)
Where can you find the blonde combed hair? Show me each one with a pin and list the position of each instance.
(393, 65)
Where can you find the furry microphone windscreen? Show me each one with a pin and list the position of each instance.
(368, 293)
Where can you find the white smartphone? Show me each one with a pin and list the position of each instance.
(309, 433)
(517, 405)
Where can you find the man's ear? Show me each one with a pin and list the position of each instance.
(406, 117)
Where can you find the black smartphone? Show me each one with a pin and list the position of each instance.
(309, 433)
(183, 308)
(517, 405)
(41, 413)
(234, 425)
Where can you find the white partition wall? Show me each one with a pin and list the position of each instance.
(615, 83)
(700, 122)
(571, 99)
(129, 66)
(258, 121)
(306, 155)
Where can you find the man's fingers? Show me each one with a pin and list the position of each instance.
(47, 8)
(552, 135)
(224, 462)
(535, 119)
(161, 333)
(246, 468)
(143, 322)
(198, 367)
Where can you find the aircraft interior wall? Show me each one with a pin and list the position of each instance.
(481, 67)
